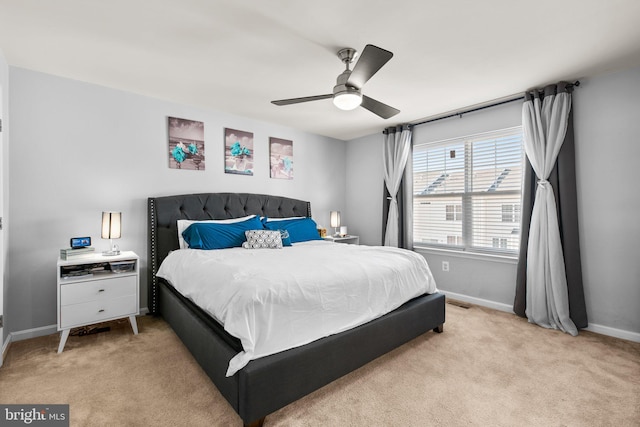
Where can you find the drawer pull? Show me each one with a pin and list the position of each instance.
(100, 290)
(101, 310)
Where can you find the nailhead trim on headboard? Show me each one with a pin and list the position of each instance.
(153, 258)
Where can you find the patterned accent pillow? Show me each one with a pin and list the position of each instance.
(257, 239)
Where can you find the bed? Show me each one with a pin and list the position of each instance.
(271, 382)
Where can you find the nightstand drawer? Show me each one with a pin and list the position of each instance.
(96, 311)
(97, 290)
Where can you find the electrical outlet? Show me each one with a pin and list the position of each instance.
(445, 265)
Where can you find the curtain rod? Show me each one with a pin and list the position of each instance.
(471, 110)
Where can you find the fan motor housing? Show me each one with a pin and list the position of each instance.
(347, 55)
(341, 84)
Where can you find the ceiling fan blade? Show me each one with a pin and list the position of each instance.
(299, 100)
(377, 107)
(371, 60)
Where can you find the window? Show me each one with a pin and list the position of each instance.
(454, 213)
(511, 213)
(500, 242)
(467, 192)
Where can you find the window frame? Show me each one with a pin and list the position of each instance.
(467, 199)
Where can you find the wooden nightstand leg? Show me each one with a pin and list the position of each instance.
(63, 339)
(134, 324)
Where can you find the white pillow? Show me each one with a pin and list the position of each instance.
(269, 219)
(182, 225)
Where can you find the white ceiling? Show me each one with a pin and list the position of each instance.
(238, 55)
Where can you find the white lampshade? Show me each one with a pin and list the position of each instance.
(347, 100)
(335, 219)
(111, 229)
(111, 225)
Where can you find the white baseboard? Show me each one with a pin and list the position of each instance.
(598, 329)
(33, 333)
(613, 332)
(5, 347)
(45, 330)
(479, 301)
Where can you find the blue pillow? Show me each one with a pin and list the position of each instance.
(206, 235)
(300, 230)
(284, 236)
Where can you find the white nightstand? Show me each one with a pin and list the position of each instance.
(353, 240)
(89, 291)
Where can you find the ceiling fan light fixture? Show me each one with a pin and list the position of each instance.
(347, 100)
(347, 93)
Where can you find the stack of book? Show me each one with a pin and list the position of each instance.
(69, 253)
(74, 274)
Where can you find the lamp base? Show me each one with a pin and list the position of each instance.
(115, 250)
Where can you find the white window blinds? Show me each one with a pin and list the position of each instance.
(467, 192)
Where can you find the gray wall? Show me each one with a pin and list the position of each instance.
(364, 189)
(78, 149)
(607, 110)
(607, 125)
(120, 139)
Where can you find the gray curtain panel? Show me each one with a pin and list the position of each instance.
(386, 200)
(402, 197)
(563, 181)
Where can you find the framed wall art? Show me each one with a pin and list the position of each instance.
(281, 158)
(238, 152)
(186, 144)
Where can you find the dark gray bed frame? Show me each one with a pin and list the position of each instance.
(272, 382)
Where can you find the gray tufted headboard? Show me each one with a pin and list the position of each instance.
(163, 212)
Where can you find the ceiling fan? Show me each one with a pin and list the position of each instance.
(347, 93)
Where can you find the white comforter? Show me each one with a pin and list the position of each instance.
(277, 299)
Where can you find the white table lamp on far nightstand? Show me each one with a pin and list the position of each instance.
(335, 221)
(112, 229)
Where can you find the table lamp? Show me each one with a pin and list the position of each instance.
(335, 221)
(111, 229)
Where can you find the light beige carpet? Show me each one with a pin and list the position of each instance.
(487, 369)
